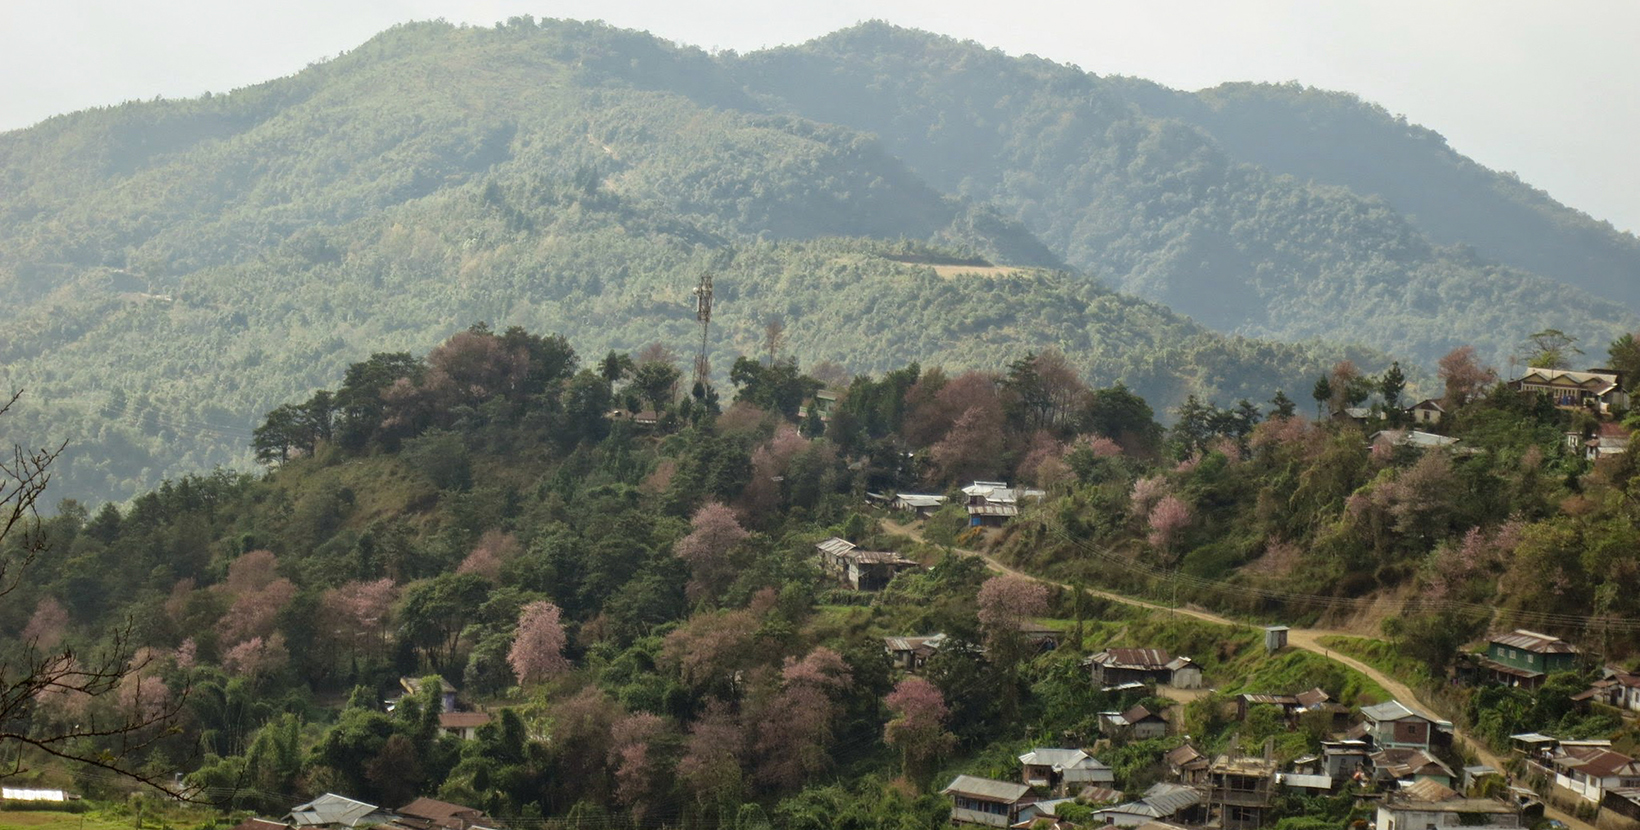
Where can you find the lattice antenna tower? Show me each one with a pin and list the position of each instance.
(703, 313)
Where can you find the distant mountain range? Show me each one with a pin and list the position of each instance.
(170, 270)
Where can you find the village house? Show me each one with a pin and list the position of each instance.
(1431, 805)
(921, 504)
(862, 570)
(1524, 658)
(254, 823)
(1598, 390)
(1588, 771)
(1188, 765)
(986, 801)
(1393, 724)
(1063, 770)
(1116, 666)
(910, 653)
(1043, 815)
(332, 811)
(1620, 809)
(1406, 766)
(1607, 440)
(993, 503)
(1292, 706)
(1415, 438)
(432, 814)
(447, 698)
(1346, 759)
(1162, 801)
(1137, 723)
(463, 725)
(1616, 688)
(1427, 412)
(1239, 787)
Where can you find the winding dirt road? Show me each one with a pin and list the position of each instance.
(1308, 639)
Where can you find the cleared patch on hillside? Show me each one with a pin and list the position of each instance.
(991, 271)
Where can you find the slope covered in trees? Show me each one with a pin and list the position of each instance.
(173, 269)
(1264, 210)
(639, 608)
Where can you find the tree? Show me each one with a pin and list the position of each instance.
(709, 549)
(1463, 375)
(1623, 357)
(1550, 349)
(46, 674)
(538, 649)
(656, 383)
(918, 726)
(1283, 405)
(1391, 384)
(774, 337)
(1167, 518)
(1322, 393)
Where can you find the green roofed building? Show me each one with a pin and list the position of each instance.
(1525, 658)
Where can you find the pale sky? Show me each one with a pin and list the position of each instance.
(1549, 89)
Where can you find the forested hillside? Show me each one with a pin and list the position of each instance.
(172, 269)
(1264, 210)
(636, 613)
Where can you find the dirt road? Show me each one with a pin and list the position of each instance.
(1308, 639)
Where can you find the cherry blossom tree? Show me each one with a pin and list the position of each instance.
(47, 626)
(1167, 518)
(1463, 376)
(637, 767)
(708, 649)
(709, 548)
(257, 657)
(794, 732)
(710, 767)
(63, 681)
(537, 652)
(918, 726)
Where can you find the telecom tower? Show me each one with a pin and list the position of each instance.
(703, 313)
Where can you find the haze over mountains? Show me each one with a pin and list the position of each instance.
(171, 270)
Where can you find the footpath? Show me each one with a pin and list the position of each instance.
(1308, 639)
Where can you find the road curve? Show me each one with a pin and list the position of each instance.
(1308, 639)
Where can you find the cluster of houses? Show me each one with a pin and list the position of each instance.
(1390, 756)
(989, 503)
(335, 812)
(1390, 753)
(1596, 391)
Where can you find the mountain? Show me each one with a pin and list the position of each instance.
(1266, 210)
(172, 270)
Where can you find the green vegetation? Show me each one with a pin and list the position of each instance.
(242, 249)
(1270, 210)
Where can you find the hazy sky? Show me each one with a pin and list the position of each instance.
(1549, 89)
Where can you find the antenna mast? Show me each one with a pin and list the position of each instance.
(703, 313)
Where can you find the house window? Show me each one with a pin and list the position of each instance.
(1531, 658)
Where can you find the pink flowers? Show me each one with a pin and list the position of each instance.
(537, 652)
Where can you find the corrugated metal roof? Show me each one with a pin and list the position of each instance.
(993, 510)
(1393, 710)
(988, 789)
(331, 808)
(1534, 642)
(1133, 658)
(835, 546)
(1428, 789)
(1171, 798)
(19, 794)
(1308, 782)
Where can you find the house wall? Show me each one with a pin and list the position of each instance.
(967, 810)
(1146, 730)
(1404, 732)
(1189, 677)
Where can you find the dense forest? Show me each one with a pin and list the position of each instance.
(637, 602)
(1272, 211)
(170, 270)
